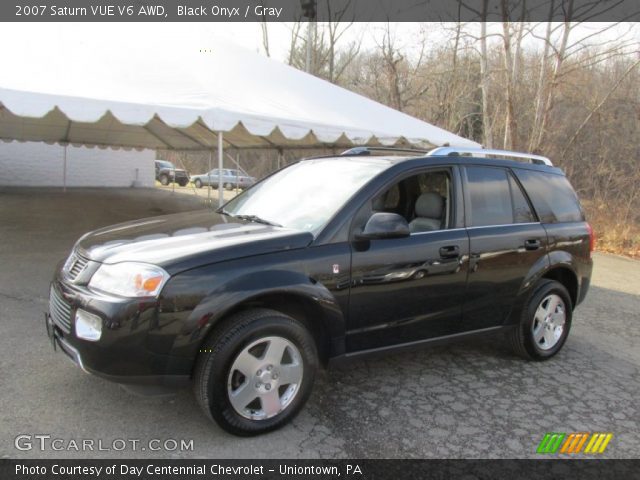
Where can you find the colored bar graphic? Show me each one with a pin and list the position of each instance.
(550, 442)
(572, 443)
(598, 443)
(581, 443)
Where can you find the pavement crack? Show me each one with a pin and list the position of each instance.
(23, 298)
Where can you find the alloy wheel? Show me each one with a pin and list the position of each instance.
(549, 322)
(265, 377)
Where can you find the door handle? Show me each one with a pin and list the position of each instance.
(532, 244)
(451, 251)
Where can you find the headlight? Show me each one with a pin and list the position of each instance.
(129, 279)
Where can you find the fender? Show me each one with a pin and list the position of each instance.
(545, 264)
(562, 258)
(250, 286)
(535, 273)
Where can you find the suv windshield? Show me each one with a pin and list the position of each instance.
(164, 164)
(307, 194)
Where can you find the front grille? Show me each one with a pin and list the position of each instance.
(76, 264)
(60, 311)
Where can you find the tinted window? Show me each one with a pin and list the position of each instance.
(489, 196)
(552, 196)
(521, 210)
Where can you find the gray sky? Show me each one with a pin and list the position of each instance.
(249, 35)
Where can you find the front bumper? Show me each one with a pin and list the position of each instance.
(57, 341)
(133, 348)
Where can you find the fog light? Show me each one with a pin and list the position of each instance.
(88, 326)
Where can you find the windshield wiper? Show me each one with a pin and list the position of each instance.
(251, 218)
(255, 218)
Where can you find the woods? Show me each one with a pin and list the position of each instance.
(566, 90)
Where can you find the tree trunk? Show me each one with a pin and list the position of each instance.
(487, 132)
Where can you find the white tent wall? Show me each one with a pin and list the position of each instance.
(37, 164)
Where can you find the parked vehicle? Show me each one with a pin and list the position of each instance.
(230, 179)
(328, 259)
(166, 173)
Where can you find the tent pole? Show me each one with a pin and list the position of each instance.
(237, 171)
(209, 178)
(64, 170)
(220, 167)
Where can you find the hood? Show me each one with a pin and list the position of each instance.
(185, 240)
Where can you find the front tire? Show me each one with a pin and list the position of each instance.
(198, 183)
(255, 372)
(164, 180)
(545, 323)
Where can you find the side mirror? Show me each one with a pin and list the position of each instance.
(384, 225)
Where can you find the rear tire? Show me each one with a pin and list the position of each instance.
(545, 322)
(183, 183)
(255, 372)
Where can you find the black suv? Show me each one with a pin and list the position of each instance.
(166, 172)
(327, 259)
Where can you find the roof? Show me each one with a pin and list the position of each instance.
(85, 85)
(425, 158)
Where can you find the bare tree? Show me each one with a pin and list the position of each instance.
(337, 27)
(485, 78)
(329, 54)
(265, 36)
(599, 105)
(293, 44)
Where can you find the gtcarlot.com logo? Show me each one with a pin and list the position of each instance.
(45, 442)
(581, 442)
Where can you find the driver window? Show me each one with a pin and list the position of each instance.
(424, 200)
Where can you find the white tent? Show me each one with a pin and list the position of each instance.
(82, 88)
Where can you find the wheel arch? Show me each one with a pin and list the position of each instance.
(291, 293)
(299, 306)
(567, 277)
(555, 266)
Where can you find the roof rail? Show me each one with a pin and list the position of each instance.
(482, 152)
(368, 150)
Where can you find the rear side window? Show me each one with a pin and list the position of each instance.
(521, 210)
(553, 197)
(489, 196)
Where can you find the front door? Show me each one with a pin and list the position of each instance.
(410, 289)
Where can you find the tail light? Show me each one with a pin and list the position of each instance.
(592, 238)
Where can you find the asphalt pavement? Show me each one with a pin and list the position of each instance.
(473, 399)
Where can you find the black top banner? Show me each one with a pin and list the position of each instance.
(318, 10)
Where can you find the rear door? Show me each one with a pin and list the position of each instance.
(506, 240)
